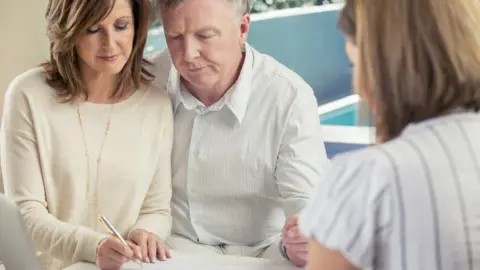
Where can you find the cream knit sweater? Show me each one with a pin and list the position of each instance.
(45, 168)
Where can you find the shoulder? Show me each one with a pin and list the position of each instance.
(156, 97)
(352, 205)
(161, 65)
(369, 164)
(28, 84)
(279, 80)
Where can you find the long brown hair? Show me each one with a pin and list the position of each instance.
(418, 59)
(67, 20)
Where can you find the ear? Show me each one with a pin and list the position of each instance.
(244, 28)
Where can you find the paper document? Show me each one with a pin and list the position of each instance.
(211, 262)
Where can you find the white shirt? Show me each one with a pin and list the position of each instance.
(412, 203)
(243, 164)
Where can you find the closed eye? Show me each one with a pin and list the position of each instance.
(93, 30)
(176, 37)
(121, 27)
(204, 36)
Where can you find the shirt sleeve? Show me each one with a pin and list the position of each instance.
(23, 180)
(155, 213)
(302, 158)
(351, 208)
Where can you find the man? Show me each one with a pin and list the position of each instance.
(247, 148)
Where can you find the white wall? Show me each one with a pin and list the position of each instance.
(23, 41)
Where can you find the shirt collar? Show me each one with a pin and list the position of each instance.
(236, 98)
(459, 113)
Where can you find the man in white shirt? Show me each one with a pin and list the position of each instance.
(248, 148)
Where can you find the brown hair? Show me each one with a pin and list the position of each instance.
(67, 20)
(418, 59)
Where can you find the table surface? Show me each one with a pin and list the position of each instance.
(205, 262)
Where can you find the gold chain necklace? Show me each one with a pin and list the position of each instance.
(96, 201)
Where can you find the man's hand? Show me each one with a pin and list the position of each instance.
(150, 245)
(294, 242)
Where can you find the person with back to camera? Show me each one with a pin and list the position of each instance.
(411, 202)
(86, 135)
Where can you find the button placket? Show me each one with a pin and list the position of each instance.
(193, 170)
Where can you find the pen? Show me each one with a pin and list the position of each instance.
(115, 233)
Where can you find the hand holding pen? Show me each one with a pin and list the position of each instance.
(114, 251)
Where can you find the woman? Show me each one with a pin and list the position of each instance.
(413, 200)
(85, 135)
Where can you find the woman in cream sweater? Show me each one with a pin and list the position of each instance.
(85, 135)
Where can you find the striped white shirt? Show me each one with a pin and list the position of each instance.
(242, 164)
(412, 203)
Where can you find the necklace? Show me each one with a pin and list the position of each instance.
(94, 196)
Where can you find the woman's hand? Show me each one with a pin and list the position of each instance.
(150, 245)
(112, 253)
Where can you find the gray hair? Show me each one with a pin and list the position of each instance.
(241, 7)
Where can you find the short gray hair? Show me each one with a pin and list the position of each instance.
(241, 7)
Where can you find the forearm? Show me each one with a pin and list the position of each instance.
(159, 223)
(59, 239)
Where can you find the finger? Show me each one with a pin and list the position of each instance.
(142, 243)
(294, 241)
(291, 221)
(293, 232)
(121, 248)
(163, 252)
(297, 248)
(137, 252)
(112, 257)
(152, 249)
(167, 252)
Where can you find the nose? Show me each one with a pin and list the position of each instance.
(108, 39)
(191, 50)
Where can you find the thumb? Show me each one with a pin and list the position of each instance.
(291, 222)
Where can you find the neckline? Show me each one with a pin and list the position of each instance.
(454, 115)
(132, 99)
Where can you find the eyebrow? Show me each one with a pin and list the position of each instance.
(204, 29)
(209, 28)
(124, 17)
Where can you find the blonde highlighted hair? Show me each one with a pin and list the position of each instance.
(67, 20)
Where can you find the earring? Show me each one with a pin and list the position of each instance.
(242, 47)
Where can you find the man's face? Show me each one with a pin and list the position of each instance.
(204, 38)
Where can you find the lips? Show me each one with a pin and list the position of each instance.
(195, 69)
(109, 58)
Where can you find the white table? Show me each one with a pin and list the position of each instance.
(205, 262)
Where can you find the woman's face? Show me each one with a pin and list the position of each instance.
(107, 45)
(351, 50)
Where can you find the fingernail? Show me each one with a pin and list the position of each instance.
(139, 254)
